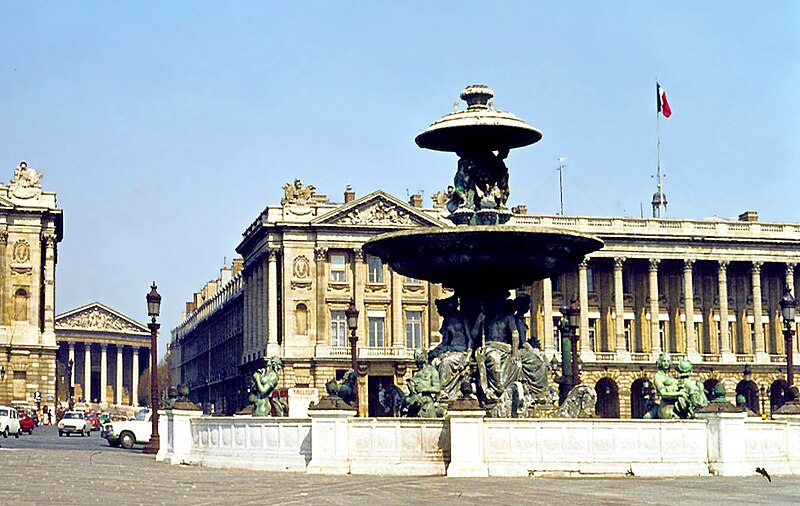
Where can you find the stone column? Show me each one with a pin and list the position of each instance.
(49, 276)
(623, 354)
(87, 372)
(397, 310)
(725, 338)
(71, 357)
(758, 310)
(5, 317)
(135, 374)
(583, 296)
(359, 283)
(263, 287)
(273, 348)
(688, 303)
(320, 254)
(655, 342)
(103, 373)
(547, 314)
(118, 388)
(790, 277)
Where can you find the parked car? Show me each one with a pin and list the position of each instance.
(26, 423)
(9, 422)
(74, 422)
(129, 432)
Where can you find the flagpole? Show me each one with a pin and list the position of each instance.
(657, 208)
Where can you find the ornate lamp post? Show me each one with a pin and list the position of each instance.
(788, 308)
(351, 313)
(574, 320)
(153, 310)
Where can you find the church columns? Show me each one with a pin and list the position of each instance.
(273, 348)
(118, 389)
(655, 335)
(87, 372)
(103, 373)
(135, 380)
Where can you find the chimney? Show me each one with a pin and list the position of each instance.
(749, 216)
(349, 194)
(190, 307)
(520, 209)
(236, 266)
(415, 200)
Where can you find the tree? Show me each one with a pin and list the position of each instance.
(164, 381)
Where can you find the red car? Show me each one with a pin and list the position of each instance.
(94, 420)
(26, 423)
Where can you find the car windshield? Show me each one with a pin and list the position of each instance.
(73, 415)
(142, 415)
(3, 412)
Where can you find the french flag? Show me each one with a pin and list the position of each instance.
(661, 99)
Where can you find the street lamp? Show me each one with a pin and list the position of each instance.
(153, 310)
(574, 320)
(764, 402)
(351, 313)
(788, 306)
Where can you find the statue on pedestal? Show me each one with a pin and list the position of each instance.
(423, 389)
(679, 398)
(264, 381)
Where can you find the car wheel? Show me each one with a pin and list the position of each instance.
(5, 432)
(19, 431)
(88, 433)
(30, 431)
(127, 440)
(60, 434)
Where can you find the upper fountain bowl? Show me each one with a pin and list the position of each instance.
(480, 125)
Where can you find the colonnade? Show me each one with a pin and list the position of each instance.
(133, 373)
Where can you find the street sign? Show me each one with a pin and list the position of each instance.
(37, 396)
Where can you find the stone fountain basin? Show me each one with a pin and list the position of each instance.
(480, 257)
(488, 129)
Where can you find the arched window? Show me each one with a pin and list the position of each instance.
(607, 398)
(301, 319)
(21, 305)
(639, 397)
(778, 394)
(747, 394)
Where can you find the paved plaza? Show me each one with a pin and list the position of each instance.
(46, 469)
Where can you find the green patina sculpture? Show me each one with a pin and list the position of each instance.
(718, 394)
(679, 398)
(423, 389)
(264, 381)
(344, 389)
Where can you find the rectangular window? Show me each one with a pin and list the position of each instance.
(627, 328)
(375, 267)
(375, 324)
(626, 281)
(590, 280)
(593, 334)
(732, 335)
(413, 330)
(662, 334)
(556, 283)
(752, 337)
(698, 336)
(557, 332)
(338, 270)
(338, 329)
(412, 281)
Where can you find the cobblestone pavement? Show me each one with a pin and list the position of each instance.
(42, 469)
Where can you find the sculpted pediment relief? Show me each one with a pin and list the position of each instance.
(98, 318)
(378, 209)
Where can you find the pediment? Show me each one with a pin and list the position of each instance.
(378, 209)
(5, 203)
(99, 318)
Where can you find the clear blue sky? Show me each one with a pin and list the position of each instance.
(166, 127)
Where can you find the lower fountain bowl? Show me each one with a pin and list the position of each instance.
(482, 257)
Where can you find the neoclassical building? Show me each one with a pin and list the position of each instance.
(707, 290)
(101, 355)
(31, 226)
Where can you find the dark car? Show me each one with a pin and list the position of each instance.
(26, 423)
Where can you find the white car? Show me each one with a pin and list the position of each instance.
(74, 422)
(129, 432)
(9, 423)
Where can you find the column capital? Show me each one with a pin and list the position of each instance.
(272, 254)
(49, 238)
(320, 253)
(619, 262)
(4, 236)
(103, 347)
(358, 254)
(790, 266)
(723, 265)
(654, 263)
(756, 268)
(688, 264)
(583, 264)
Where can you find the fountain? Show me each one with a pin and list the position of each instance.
(482, 258)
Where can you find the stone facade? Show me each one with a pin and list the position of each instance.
(302, 262)
(31, 226)
(101, 356)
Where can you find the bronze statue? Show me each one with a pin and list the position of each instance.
(264, 381)
(423, 389)
(345, 389)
